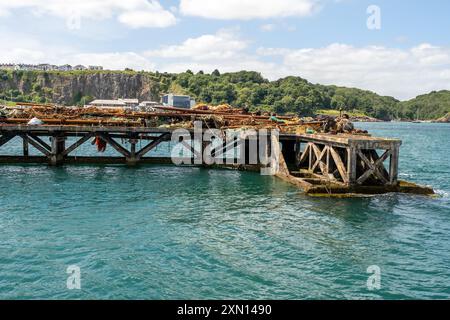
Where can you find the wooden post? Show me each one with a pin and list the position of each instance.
(298, 152)
(327, 167)
(25, 146)
(351, 164)
(132, 159)
(58, 145)
(393, 166)
(310, 156)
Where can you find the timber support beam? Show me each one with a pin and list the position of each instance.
(351, 163)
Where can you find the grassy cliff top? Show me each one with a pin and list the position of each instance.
(242, 89)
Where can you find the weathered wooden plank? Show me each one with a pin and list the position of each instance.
(393, 166)
(26, 152)
(40, 141)
(115, 145)
(351, 164)
(6, 138)
(375, 158)
(76, 144)
(304, 155)
(340, 165)
(310, 155)
(151, 145)
(38, 146)
(319, 155)
(373, 167)
(379, 167)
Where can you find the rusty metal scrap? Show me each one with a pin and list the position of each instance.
(217, 117)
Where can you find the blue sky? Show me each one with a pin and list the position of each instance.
(324, 41)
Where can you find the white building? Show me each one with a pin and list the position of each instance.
(130, 102)
(7, 66)
(148, 104)
(95, 68)
(45, 67)
(65, 67)
(104, 103)
(79, 67)
(119, 103)
(178, 101)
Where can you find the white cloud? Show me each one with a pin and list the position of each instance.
(224, 44)
(112, 60)
(28, 50)
(147, 19)
(402, 73)
(133, 13)
(246, 63)
(225, 50)
(247, 9)
(268, 27)
(283, 27)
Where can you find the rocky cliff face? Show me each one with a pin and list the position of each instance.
(104, 86)
(445, 119)
(68, 87)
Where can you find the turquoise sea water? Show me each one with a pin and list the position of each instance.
(163, 232)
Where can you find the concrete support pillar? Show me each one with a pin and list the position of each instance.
(132, 160)
(393, 165)
(25, 146)
(58, 144)
(351, 165)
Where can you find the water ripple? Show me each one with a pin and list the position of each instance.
(158, 232)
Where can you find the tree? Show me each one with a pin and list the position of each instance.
(242, 89)
(244, 98)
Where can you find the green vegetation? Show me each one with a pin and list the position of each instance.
(290, 95)
(335, 113)
(426, 107)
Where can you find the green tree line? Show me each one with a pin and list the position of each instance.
(245, 89)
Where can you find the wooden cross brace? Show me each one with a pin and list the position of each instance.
(375, 168)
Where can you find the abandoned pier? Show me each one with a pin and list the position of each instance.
(318, 163)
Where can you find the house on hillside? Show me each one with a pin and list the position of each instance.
(7, 66)
(43, 67)
(65, 67)
(95, 68)
(79, 67)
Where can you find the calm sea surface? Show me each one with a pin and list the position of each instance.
(163, 232)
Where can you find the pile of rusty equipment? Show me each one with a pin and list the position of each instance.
(212, 117)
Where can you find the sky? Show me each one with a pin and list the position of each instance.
(399, 48)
